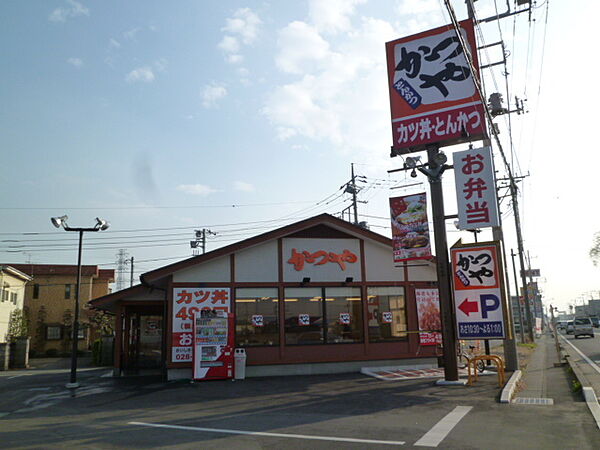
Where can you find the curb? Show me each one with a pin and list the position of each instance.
(588, 392)
(509, 388)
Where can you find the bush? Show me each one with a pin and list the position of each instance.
(51, 353)
(97, 352)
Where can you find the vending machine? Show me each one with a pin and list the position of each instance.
(213, 345)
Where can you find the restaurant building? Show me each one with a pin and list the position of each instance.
(317, 296)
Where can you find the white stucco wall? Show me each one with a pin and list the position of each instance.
(12, 285)
(257, 263)
(425, 272)
(380, 263)
(214, 271)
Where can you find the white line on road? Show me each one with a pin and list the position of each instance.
(591, 363)
(260, 433)
(441, 429)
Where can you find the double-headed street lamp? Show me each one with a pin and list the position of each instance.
(101, 225)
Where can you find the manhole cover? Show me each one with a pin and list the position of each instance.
(533, 401)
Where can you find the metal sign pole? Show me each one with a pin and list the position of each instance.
(441, 251)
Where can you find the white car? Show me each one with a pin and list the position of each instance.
(583, 326)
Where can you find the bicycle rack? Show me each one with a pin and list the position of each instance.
(495, 358)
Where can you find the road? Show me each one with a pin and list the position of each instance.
(345, 411)
(585, 352)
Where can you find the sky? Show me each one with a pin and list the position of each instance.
(243, 116)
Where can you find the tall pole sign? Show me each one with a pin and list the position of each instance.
(433, 98)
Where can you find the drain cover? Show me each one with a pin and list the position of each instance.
(533, 401)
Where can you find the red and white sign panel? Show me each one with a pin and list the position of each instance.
(410, 230)
(433, 98)
(478, 294)
(186, 302)
(475, 188)
(344, 318)
(428, 313)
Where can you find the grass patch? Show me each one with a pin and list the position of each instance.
(528, 345)
(575, 386)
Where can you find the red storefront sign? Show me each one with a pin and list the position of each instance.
(433, 97)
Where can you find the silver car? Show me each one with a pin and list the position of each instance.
(582, 326)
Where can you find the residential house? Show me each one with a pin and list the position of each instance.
(12, 294)
(50, 302)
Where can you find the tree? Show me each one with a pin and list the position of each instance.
(18, 325)
(595, 250)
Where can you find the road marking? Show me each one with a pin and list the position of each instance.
(260, 433)
(21, 375)
(590, 362)
(441, 429)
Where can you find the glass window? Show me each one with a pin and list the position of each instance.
(303, 316)
(36, 291)
(13, 298)
(67, 291)
(256, 316)
(53, 332)
(343, 307)
(387, 313)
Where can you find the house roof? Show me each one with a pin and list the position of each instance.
(15, 272)
(322, 219)
(56, 269)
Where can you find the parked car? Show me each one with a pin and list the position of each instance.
(561, 325)
(569, 327)
(582, 326)
(595, 321)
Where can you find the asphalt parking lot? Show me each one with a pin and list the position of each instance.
(348, 411)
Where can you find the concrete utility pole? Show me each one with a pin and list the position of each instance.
(131, 275)
(521, 322)
(200, 240)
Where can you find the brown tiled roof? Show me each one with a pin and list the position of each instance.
(55, 269)
(107, 274)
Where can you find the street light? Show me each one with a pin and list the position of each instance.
(101, 225)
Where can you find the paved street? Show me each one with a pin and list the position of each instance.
(348, 411)
(585, 353)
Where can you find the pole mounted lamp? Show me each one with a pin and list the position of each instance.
(101, 225)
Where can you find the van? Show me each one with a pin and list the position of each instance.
(582, 326)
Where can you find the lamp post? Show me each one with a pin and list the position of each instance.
(101, 225)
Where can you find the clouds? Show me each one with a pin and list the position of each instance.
(75, 62)
(332, 16)
(242, 28)
(242, 186)
(339, 95)
(212, 93)
(74, 9)
(141, 74)
(201, 190)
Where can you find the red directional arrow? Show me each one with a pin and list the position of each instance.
(468, 307)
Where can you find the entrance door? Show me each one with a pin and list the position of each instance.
(144, 331)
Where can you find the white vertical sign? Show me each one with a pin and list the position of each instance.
(475, 188)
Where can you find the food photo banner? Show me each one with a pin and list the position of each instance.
(410, 230)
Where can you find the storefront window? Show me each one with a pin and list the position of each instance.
(343, 308)
(256, 316)
(323, 316)
(387, 313)
(303, 316)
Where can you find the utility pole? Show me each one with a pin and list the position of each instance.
(200, 241)
(521, 324)
(131, 276)
(354, 191)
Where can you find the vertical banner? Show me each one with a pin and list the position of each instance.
(410, 230)
(428, 314)
(475, 188)
(433, 96)
(478, 290)
(186, 302)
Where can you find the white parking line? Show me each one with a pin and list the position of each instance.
(260, 433)
(441, 429)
